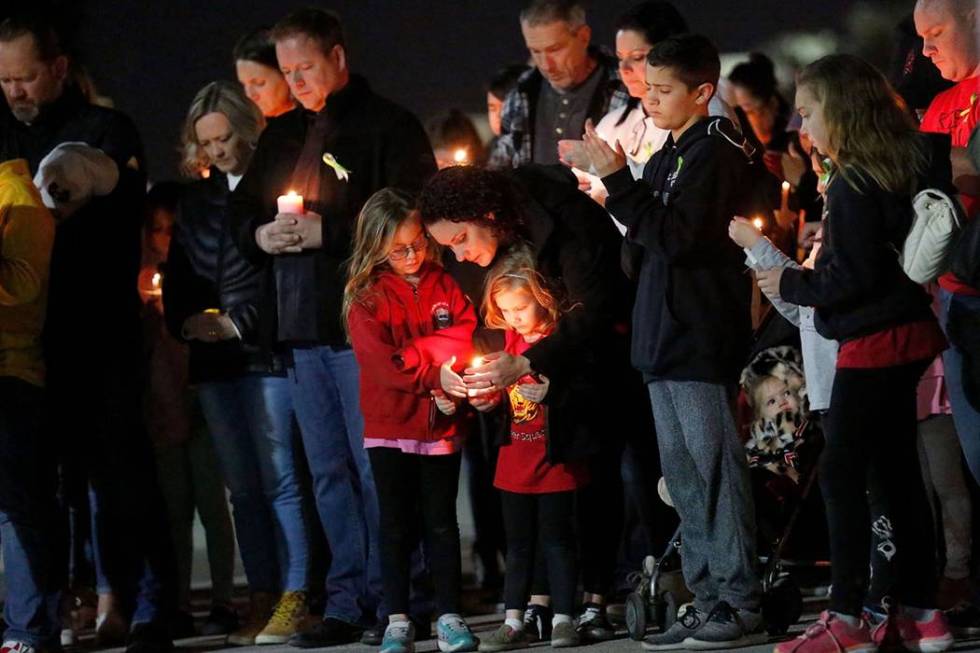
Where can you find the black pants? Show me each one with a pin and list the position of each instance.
(548, 521)
(600, 511)
(414, 489)
(871, 426)
(480, 454)
(95, 410)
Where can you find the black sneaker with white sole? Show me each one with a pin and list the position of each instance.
(537, 622)
(592, 625)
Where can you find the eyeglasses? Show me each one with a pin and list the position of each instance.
(417, 247)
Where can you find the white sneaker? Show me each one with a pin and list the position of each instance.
(13, 646)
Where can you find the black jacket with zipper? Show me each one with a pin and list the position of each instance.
(857, 285)
(205, 270)
(691, 315)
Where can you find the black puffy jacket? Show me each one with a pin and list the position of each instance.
(206, 270)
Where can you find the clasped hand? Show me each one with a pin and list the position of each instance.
(291, 233)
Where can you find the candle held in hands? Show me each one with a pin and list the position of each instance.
(476, 362)
(291, 202)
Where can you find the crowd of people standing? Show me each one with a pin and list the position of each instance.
(339, 306)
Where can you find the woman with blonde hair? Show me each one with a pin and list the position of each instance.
(888, 336)
(211, 301)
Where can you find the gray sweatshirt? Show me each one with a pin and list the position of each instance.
(819, 353)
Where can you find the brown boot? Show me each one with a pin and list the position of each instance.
(260, 609)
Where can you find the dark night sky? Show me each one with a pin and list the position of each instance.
(151, 57)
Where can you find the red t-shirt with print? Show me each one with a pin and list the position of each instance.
(522, 464)
(956, 112)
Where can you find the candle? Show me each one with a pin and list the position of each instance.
(291, 202)
(784, 205)
(460, 157)
(476, 362)
(157, 280)
(759, 223)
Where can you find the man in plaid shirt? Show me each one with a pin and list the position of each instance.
(582, 82)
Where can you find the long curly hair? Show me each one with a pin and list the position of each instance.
(516, 271)
(377, 223)
(472, 194)
(870, 131)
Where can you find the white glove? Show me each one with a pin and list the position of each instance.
(72, 174)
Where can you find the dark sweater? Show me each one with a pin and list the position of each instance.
(857, 284)
(380, 143)
(691, 316)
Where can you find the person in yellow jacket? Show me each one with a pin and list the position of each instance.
(26, 465)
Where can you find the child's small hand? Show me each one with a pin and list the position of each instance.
(485, 403)
(743, 232)
(451, 382)
(535, 392)
(444, 403)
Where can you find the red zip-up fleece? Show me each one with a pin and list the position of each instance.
(401, 335)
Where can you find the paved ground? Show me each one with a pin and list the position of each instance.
(480, 624)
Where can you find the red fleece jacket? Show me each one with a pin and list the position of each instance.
(401, 335)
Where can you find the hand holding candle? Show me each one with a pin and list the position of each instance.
(496, 372)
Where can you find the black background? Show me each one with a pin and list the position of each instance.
(151, 57)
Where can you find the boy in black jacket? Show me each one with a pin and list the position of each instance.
(690, 332)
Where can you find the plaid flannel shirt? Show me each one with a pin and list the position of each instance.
(515, 146)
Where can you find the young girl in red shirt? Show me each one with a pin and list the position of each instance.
(405, 316)
(537, 487)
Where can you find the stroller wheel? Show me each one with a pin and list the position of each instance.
(671, 606)
(782, 605)
(636, 616)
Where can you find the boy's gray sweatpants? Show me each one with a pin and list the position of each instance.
(708, 480)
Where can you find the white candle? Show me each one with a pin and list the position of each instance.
(784, 206)
(476, 362)
(291, 202)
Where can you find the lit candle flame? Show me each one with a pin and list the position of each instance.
(459, 156)
(785, 186)
(156, 280)
(759, 223)
(291, 193)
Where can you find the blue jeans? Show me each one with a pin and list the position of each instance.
(965, 416)
(250, 419)
(326, 400)
(27, 513)
(708, 479)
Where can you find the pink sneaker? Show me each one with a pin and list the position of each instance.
(884, 632)
(830, 635)
(929, 635)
